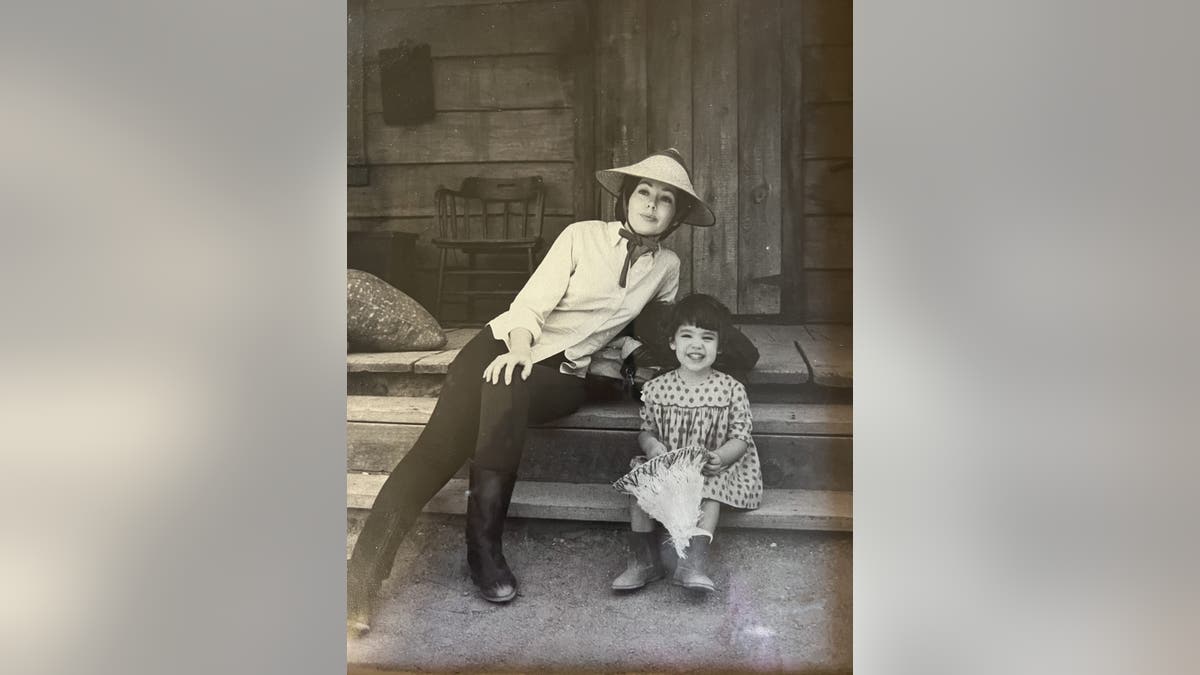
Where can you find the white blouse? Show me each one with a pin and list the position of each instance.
(573, 303)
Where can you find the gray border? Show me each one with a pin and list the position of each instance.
(170, 176)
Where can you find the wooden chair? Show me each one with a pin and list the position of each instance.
(496, 218)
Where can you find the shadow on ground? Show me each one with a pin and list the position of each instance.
(783, 603)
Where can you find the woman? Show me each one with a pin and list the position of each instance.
(532, 359)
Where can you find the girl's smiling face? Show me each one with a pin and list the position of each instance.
(696, 348)
(651, 207)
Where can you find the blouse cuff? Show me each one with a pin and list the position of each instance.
(516, 317)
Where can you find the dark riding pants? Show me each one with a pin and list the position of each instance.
(472, 418)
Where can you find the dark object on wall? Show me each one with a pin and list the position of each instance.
(380, 318)
(406, 76)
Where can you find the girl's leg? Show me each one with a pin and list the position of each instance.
(645, 563)
(446, 442)
(639, 520)
(710, 513)
(504, 414)
(692, 571)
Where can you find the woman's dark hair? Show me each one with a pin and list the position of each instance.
(702, 311)
(683, 203)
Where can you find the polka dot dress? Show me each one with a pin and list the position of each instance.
(707, 414)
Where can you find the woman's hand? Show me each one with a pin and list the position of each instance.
(505, 365)
(713, 464)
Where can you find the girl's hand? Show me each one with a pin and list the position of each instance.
(506, 364)
(656, 449)
(714, 464)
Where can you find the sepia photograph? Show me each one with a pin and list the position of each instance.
(599, 329)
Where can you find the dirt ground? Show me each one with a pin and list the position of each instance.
(783, 604)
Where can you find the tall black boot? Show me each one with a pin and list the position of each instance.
(487, 507)
(372, 559)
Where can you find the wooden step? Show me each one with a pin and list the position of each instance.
(780, 359)
(799, 446)
(815, 419)
(781, 509)
(828, 350)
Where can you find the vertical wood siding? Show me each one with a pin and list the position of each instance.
(715, 146)
(757, 94)
(669, 100)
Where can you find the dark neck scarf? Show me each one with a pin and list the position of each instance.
(636, 246)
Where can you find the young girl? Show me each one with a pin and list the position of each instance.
(528, 366)
(695, 405)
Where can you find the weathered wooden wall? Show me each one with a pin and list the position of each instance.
(756, 93)
(823, 154)
(512, 97)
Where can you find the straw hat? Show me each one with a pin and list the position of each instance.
(666, 166)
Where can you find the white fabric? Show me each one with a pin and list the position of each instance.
(573, 303)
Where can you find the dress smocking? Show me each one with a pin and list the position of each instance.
(707, 414)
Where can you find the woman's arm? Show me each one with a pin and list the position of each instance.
(541, 294)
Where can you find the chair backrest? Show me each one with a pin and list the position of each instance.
(492, 208)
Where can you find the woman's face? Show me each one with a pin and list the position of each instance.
(651, 207)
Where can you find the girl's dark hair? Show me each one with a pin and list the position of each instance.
(683, 203)
(702, 311)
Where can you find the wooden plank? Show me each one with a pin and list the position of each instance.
(389, 409)
(780, 510)
(401, 190)
(769, 418)
(760, 240)
(829, 73)
(456, 339)
(779, 362)
(583, 65)
(403, 362)
(669, 101)
(830, 350)
(511, 28)
(383, 362)
(620, 87)
(407, 4)
(508, 136)
(830, 295)
(828, 22)
(829, 243)
(829, 185)
(355, 48)
(393, 384)
(828, 130)
(602, 455)
(378, 447)
(792, 225)
(490, 83)
(715, 142)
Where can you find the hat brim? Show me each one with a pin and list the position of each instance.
(700, 215)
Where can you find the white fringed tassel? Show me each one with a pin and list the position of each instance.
(669, 488)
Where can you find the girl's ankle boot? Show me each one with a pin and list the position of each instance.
(645, 563)
(691, 572)
(487, 508)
